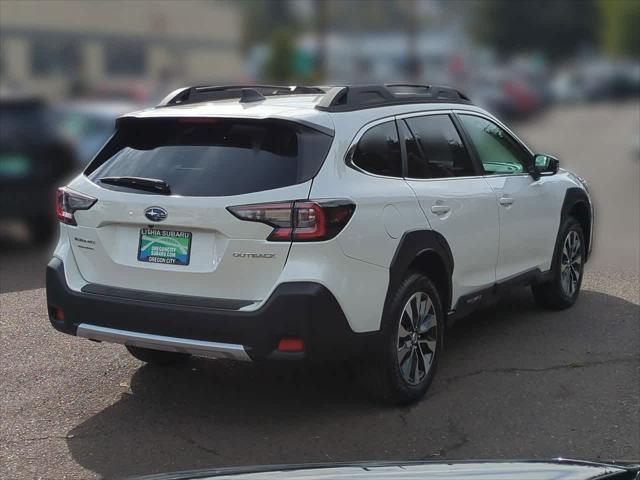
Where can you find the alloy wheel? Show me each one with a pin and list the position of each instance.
(571, 263)
(417, 338)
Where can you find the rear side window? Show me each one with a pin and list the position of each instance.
(436, 149)
(212, 157)
(378, 151)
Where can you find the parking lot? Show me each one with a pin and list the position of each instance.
(514, 381)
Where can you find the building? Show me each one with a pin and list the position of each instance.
(56, 46)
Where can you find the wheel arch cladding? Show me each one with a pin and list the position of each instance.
(576, 205)
(428, 252)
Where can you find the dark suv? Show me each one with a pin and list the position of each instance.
(34, 160)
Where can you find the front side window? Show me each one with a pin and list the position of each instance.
(436, 149)
(378, 151)
(499, 153)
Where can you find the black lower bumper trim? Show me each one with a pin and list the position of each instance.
(181, 300)
(304, 310)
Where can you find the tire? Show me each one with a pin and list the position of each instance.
(408, 360)
(567, 269)
(157, 357)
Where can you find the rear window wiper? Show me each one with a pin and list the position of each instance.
(140, 183)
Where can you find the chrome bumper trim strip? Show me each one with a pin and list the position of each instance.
(159, 342)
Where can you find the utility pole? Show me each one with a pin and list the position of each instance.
(322, 14)
(413, 67)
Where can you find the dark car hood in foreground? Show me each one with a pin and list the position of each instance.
(559, 469)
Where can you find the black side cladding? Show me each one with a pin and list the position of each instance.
(412, 245)
(577, 202)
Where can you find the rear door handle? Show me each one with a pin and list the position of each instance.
(506, 201)
(440, 209)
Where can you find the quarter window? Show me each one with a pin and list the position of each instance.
(435, 149)
(499, 153)
(378, 151)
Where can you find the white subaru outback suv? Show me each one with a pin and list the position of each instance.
(260, 222)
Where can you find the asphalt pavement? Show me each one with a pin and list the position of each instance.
(515, 381)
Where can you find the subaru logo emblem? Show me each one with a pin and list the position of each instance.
(155, 214)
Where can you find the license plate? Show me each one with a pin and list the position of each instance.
(168, 247)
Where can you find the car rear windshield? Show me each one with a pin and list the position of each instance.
(208, 157)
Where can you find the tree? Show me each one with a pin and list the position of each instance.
(557, 28)
(280, 66)
(620, 27)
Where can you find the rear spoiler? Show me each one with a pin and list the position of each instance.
(128, 120)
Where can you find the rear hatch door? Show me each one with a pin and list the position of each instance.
(184, 241)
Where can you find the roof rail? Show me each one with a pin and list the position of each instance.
(250, 95)
(358, 97)
(246, 93)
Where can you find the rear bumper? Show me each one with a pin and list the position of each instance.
(304, 310)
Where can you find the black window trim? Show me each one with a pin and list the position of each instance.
(474, 152)
(468, 144)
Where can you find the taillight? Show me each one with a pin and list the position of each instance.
(68, 202)
(299, 221)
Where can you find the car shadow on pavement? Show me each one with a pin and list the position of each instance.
(207, 414)
(174, 418)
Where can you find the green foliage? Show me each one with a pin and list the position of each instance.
(280, 67)
(261, 17)
(557, 28)
(620, 27)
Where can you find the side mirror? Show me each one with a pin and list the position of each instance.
(544, 165)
